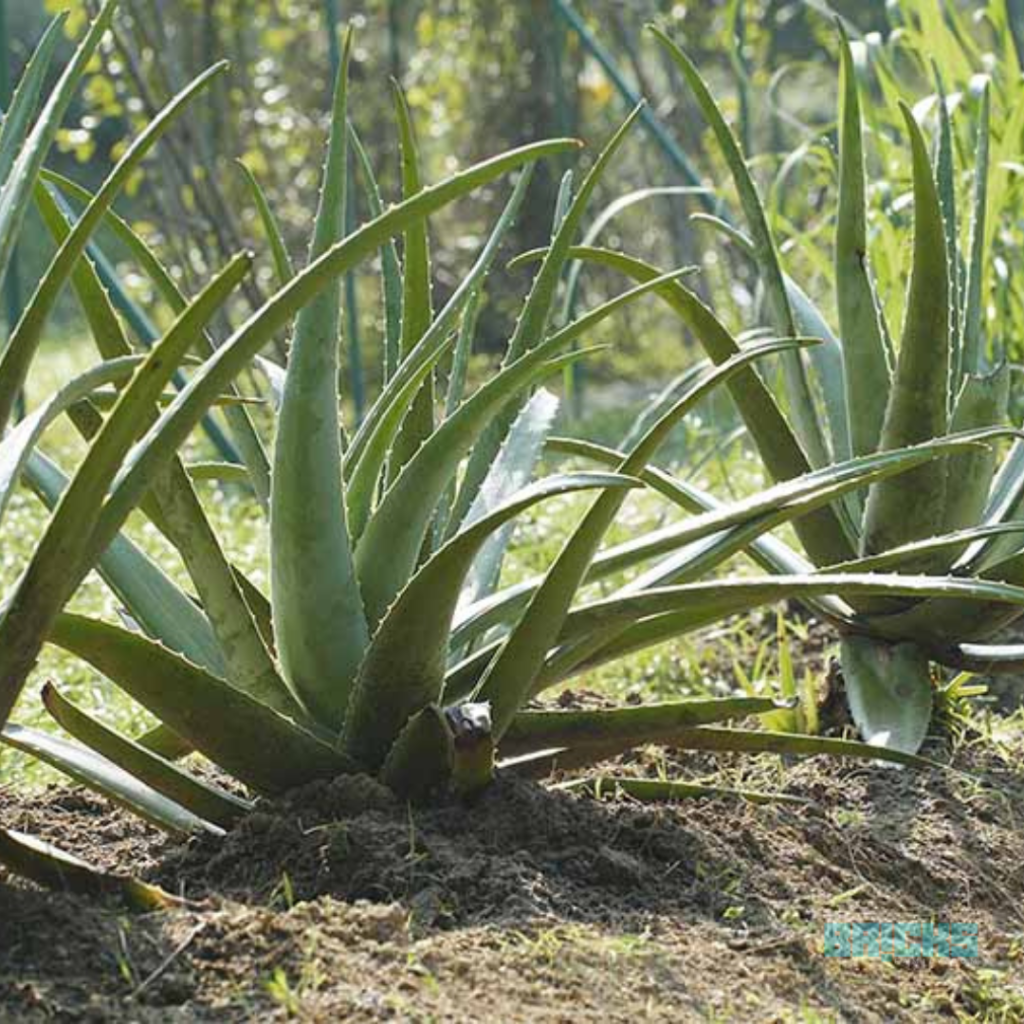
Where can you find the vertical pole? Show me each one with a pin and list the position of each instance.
(12, 282)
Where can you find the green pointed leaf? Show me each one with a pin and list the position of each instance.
(417, 297)
(535, 319)
(865, 353)
(271, 229)
(798, 389)
(160, 607)
(163, 439)
(822, 534)
(319, 625)
(210, 803)
(31, 151)
(624, 727)
(247, 739)
(510, 676)
(390, 546)
(911, 507)
(972, 339)
(404, 668)
(889, 690)
(25, 338)
(104, 777)
(368, 453)
(66, 551)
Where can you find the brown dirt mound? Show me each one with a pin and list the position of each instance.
(340, 904)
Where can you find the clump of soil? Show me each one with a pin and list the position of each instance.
(338, 903)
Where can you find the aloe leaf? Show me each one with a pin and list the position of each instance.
(244, 434)
(26, 336)
(176, 509)
(511, 472)
(247, 739)
(222, 472)
(912, 506)
(391, 269)
(171, 430)
(826, 358)
(164, 611)
(46, 865)
(173, 505)
(536, 318)
(945, 179)
(16, 448)
(760, 512)
(389, 547)
(89, 769)
(283, 267)
(865, 354)
(801, 400)
(17, 120)
(419, 764)
(822, 534)
(319, 624)
(417, 296)
(972, 340)
(32, 150)
(368, 452)
(404, 668)
(909, 554)
(982, 402)
(889, 690)
(210, 803)
(511, 674)
(61, 557)
(625, 727)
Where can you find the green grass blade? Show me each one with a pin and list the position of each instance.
(207, 802)
(26, 336)
(104, 777)
(865, 353)
(319, 624)
(912, 507)
(247, 739)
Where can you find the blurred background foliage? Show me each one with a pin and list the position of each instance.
(481, 76)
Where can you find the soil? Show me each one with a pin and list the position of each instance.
(531, 904)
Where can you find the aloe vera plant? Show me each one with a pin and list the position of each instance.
(865, 394)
